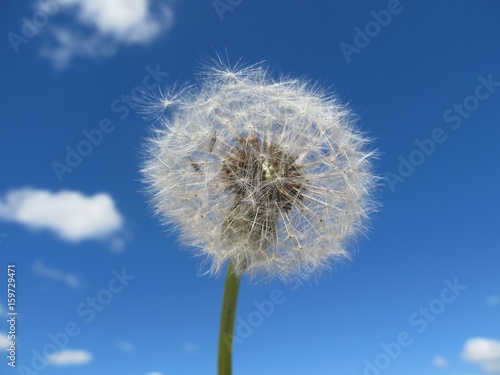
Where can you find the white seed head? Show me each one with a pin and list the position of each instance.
(269, 174)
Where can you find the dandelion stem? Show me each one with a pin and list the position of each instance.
(227, 321)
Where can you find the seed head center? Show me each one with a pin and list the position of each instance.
(262, 172)
(267, 168)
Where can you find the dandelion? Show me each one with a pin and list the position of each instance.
(268, 176)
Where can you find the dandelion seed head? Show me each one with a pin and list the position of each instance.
(268, 174)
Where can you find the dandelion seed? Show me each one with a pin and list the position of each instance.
(153, 104)
(268, 174)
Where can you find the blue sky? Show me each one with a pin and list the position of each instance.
(422, 295)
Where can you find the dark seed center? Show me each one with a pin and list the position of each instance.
(264, 174)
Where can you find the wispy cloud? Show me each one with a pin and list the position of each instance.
(57, 275)
(189, 347)
(98, 28)
(493, 300)
(483, 352)
(155, 373)
(440, 361)
(125, 346)
(4, 341)
(70, 215)
(70, 357)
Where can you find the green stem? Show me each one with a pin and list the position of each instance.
(227, 321)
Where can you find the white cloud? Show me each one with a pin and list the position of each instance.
(100, 27)
(56, 275)
(440, 361)
(71, 215)
(70, 357)
(4, 341)
(155, 373)
(125, 346)
(484, 352)
(493, 300)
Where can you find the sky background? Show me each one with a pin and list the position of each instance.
(69, 67)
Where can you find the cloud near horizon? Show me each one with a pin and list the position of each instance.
(70, 215)
(70, 357)
(484, 352)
